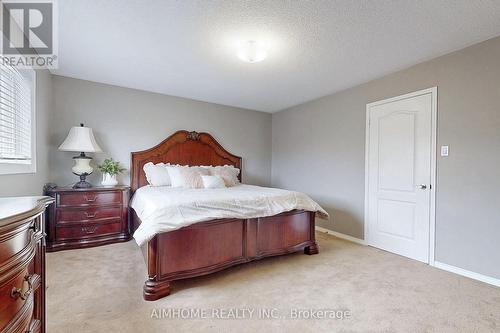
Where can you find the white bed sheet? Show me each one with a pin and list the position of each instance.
(164, 208)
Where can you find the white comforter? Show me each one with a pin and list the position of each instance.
(164, 208)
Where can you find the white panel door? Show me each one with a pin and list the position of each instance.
(399, 175)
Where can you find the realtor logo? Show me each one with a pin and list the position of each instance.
(29, 34)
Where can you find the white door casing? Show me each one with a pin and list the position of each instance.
(400, 174)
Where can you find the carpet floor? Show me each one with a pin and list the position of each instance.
(359, 289)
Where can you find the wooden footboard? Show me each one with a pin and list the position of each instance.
(207, 247)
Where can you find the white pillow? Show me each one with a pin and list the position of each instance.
(157, 174)
(175, 175)
(213, 182)
(186, 177)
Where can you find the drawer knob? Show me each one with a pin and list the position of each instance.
(18, 292)
(90, 216)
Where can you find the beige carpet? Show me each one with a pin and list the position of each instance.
(100, 290)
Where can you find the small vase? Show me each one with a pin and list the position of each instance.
(108, 180)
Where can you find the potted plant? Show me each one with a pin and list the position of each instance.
(110, 169)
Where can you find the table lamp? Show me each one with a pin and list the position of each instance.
(81, 139)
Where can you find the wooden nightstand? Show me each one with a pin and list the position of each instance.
(87, 217)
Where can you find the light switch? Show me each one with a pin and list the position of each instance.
(444, 150)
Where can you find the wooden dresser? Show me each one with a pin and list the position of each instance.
(22, 264)
(87, 217)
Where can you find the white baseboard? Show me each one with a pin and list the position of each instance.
(341, 235)
(466, 273)
(453, 269)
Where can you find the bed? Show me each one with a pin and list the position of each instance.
(209, 246)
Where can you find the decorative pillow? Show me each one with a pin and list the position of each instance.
(204, 171)
(213, 182)
(157, 174)
(175, 175)
(228, 173)
(192, 177)
(187, 177)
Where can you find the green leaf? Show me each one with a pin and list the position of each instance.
(111, 167)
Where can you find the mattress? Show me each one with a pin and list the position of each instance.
(164, 208)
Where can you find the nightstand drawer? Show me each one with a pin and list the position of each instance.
(88, 230)
(79, 199)
(68, 215)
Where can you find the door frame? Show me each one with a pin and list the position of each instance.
(432, 209)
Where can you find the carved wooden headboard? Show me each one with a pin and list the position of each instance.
(185, 148)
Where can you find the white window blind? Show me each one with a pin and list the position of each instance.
(16, 98)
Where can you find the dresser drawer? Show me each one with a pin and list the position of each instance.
(22, 265)
(79, 199)
(12, 304)
(68, 215)
(88, 230)
(14, 244)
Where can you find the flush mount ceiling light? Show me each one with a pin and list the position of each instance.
(252, 51)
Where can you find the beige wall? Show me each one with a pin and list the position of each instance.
(32, 183)
(319, 147)
(126, 120)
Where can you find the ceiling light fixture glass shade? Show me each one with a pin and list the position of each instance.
(252, 52)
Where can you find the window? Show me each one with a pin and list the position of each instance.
(17, 120)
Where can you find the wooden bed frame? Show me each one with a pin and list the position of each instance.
(207, 247)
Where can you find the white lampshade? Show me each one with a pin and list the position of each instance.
(80, 139)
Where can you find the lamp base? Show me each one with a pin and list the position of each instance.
(83, 183)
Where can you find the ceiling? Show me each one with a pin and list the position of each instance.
(187, 48)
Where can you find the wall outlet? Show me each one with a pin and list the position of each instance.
(444, 150)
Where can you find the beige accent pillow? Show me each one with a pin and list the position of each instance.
(228, 173)
(201, 169)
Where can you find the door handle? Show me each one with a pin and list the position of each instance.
(422, 186)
